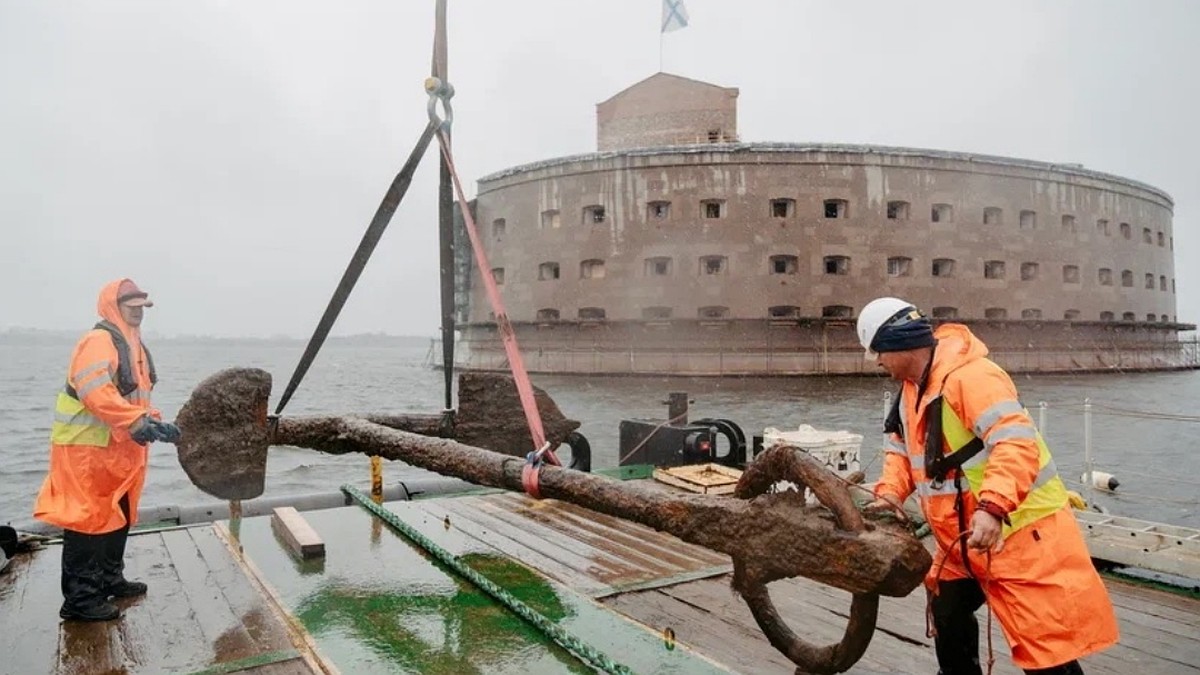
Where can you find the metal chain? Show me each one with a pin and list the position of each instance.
(578, 648)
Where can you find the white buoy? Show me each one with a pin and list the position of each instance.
(1102, 481)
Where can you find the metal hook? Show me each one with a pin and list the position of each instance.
(444, 91)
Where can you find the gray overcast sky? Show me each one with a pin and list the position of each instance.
(228, 155)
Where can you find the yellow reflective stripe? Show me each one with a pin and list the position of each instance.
(1047, 473)
(928, 489)
(988, 418)
(74, 425)
(89, 369)
(95, 384)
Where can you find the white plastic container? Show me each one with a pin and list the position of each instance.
(838, 450)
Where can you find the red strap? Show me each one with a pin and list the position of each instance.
(524, 387)
(529, 480)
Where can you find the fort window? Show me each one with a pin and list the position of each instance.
(837, 312)
(897, 210)
(1068, 224)
(783, 208)
(1172, 284)
(713, 208)
(1071, 315)
(593, 214)
(1162, 240)
(1029, 271)
(784, 264)
(943, 267)
(836, 208)
(498, 275)
(547, 314)
(993, 216)
(1128, 316)
(1028, 314)
(658, 210)
(1126, 231)
(713, 312)
(656, 312)
(591, 313)
(942, 213)
(1150, 281)
(1151, 318)
(899, 267)
(714, 135)
(783, 312)
(1106, 316)
(1029, 220)
(995, 313)
(837, 264)
(1162, 283)
(591, 269)
(658, 267)
(1147, 238)
(548, 271)
(945, 312)
(499, 226)
(1070, 274)
(1127, 278)
(1102, 227)
(1165, 319)
(1105, 277)
(713, 264)
(993, 269)
(551, 220)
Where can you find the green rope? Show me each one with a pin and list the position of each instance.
(579, 649)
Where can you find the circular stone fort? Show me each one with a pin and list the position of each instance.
(679, 249)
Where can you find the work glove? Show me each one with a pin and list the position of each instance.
(165, 431)
(143, 432)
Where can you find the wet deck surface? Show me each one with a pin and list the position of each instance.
(201, 612)
(687, 590)
(378, 604)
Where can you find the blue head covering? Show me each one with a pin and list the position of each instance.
(906, 329)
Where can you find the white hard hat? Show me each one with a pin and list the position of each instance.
(875, 315)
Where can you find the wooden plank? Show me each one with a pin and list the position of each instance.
(219, 626)
(664, 547)
(264, 627)
(158, 630)
(301, 539)
(541, 521)
(29, 600)
(436, 509)
(301, 639)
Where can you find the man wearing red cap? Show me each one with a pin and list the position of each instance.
(103, 423)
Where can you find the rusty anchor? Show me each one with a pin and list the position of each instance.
(769, 536)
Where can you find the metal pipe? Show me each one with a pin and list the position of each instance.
(208, 512)
(1042, 418)
(1087, 449)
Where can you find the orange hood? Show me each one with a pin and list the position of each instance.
(956, 345)
(106, 307)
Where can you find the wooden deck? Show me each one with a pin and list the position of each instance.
(201, 614)
(663, 582)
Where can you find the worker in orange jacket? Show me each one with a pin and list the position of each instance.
(103, 423)
(959, 439)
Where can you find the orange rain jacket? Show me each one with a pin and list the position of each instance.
(93, 459)
(1042, 586)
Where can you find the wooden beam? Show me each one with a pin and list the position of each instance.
(301, 539)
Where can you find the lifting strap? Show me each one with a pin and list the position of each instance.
(383, 216)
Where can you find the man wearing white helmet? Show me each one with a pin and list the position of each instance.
(959, 439)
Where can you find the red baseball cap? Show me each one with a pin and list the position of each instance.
(128, 293)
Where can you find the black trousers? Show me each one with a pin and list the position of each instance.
(93, 563)
(957, 641)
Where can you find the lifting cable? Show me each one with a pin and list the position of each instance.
(383, 216)
(580, 650)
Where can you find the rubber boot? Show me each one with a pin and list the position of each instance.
(112, 564)
(84, 598)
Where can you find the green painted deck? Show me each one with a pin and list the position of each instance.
(377, 604)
